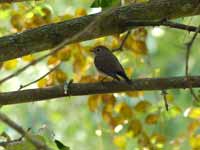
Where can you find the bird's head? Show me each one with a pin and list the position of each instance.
(100, 50)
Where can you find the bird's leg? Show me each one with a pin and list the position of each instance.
(116, 78)
(102, 80)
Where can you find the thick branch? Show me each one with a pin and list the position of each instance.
(78, 89)
(45, 37)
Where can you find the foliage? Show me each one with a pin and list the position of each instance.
(123, 121)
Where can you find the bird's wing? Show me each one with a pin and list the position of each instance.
(108, 64)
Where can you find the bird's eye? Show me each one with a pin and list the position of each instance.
(98, 49)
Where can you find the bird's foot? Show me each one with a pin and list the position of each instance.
(67, 87)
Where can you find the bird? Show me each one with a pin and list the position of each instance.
(107, 63)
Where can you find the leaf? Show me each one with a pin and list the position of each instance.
(124, 110)
(61, 146)
(42, 83)
(133, 93)
(194, 113)
(11, 64)
(135, 127)
(64, 54)
(61, 77)
(120, 141)
(53, 60)
(80, 12)
(144, 140)
(152, 119)
(136, 41)
(17, 21)
(109, 99)
(158, 138)
(96, 3)
(142, 106)
(107, 116)
(87, 78)
(93, 102)
(104, 3)
(28, 58)
(174, 111)
(194, 142)
(193, 126)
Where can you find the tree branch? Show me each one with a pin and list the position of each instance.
(19, 129)
(78, 89)
(45, 37)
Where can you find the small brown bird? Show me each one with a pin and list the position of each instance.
(108, 64)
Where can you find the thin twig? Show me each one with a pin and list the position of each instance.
(51, 70)
(162, 22)
(4, 144)
(38, 144)
(188, 51)
(164, 93)
(123, 42)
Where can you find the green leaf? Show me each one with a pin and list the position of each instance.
(96, 3)
(61, 146)
(104, 3)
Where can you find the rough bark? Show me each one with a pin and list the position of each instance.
(79, 89)
(46, 37)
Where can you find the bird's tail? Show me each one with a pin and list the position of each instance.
(124, 76)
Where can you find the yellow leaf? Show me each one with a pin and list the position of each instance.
(120, 141)
(11, 64)
(87, 78)
(93, 102)
(53, 60)
(64, 54)
(170, 97)
(61, 77)
(124, 110)
(133, 94)
(152, 119)
(174, 111)
(139, 47)
(194, 113)
(46, 13)
(193, 126)
(80, 12)
(194, 141)
(136, 41)
(42, 83)
(109, 99)
(158, 138)
(17, 21)
(144, 141)
(28, 58)
(135, 127)
(107, 116)
(142, 106)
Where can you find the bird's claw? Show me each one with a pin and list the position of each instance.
(67, 87)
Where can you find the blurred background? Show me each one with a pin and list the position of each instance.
(121, 121)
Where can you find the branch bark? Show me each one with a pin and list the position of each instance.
(46, 37)
(78, 89)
